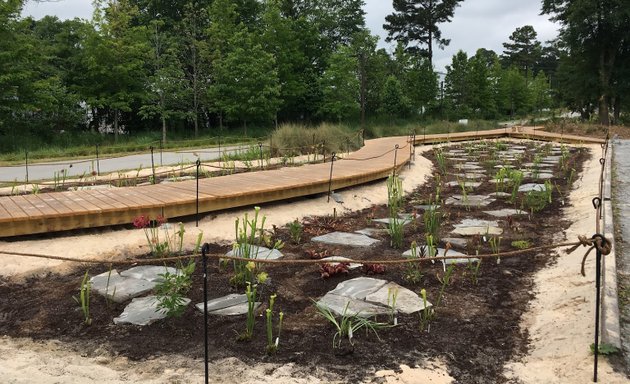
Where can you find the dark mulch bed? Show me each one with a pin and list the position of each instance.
(476, 329)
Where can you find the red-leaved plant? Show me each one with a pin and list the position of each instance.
(373, 269)
(328, 270)
(152, 232)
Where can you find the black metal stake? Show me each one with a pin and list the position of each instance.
(26, 164)
(261, 154)
(219, 138)
(204, 257)
(324, 150)
(98, 163)
(332, 161)
(598, 270)
(414, 145)
(161, 148)
(410, 149)
(198, 163)
(395, 156)
(152, 166)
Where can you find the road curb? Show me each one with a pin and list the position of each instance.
(610, 326)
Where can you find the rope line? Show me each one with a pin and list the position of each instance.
(574, 246)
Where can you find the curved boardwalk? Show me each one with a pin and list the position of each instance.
(58, 211)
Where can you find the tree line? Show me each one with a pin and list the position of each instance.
(201, 65)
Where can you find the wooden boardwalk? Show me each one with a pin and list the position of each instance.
(59, 211)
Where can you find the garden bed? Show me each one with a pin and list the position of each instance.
(475, 330)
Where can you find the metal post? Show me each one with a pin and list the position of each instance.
(598, 271)
(152, 166)
(395, 156)
(198, 163)
(424, 135)
(98, 162)
(26, 158)
(161, 148)
(410, 149)
(261, 154)
(204, 257)
(414, 145)
(219, 139)
(332, 161)
(324, 150)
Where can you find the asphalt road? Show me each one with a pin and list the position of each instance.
(78, 167)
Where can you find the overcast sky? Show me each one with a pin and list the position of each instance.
(477, 23)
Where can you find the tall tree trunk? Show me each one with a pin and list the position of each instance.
(116, 114)
(163, 129)
(605, 65)
(363, 88)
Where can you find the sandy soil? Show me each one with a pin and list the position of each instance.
(561, 319)
(559, 322)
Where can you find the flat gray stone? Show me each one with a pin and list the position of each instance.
(230, 305)
(467, 184)
(372, 231)
(142, 311)
(505, 212)
(355, 307)
(470, 227)
(501, 166)
(406, 300)
(439, 252)
(337, 197)
(149, 272)
(501, 194)
(334, 260)
(538, 165)
(531, 187)
(538, 175)
(358, 288)
(456, 241)
(468, 166)
(426, 207)
(344, 238)
(235, 310)
(470, 201)
(224, 302)
(387, 221)
(118, 288)
(256, 252)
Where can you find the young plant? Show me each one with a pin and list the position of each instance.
(332, 269)
(84, 298)
(445, 280)
(373, 269)
(173, 288)
(394, 201)
(152, 232)
(249, 239)
(516, 178)
(413, 270)
(495, 245)
(426, 315)
(295, 230)
(473, 267)
(250, 292)
(432, 221)
(441, 161)
(198, 243)
(272, 345)
(392, 295)
(348, 325)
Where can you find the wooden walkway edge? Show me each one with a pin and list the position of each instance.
(60, 211)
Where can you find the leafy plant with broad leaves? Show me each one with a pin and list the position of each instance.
(173, 288)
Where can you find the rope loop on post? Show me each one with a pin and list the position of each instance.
(597, 241)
